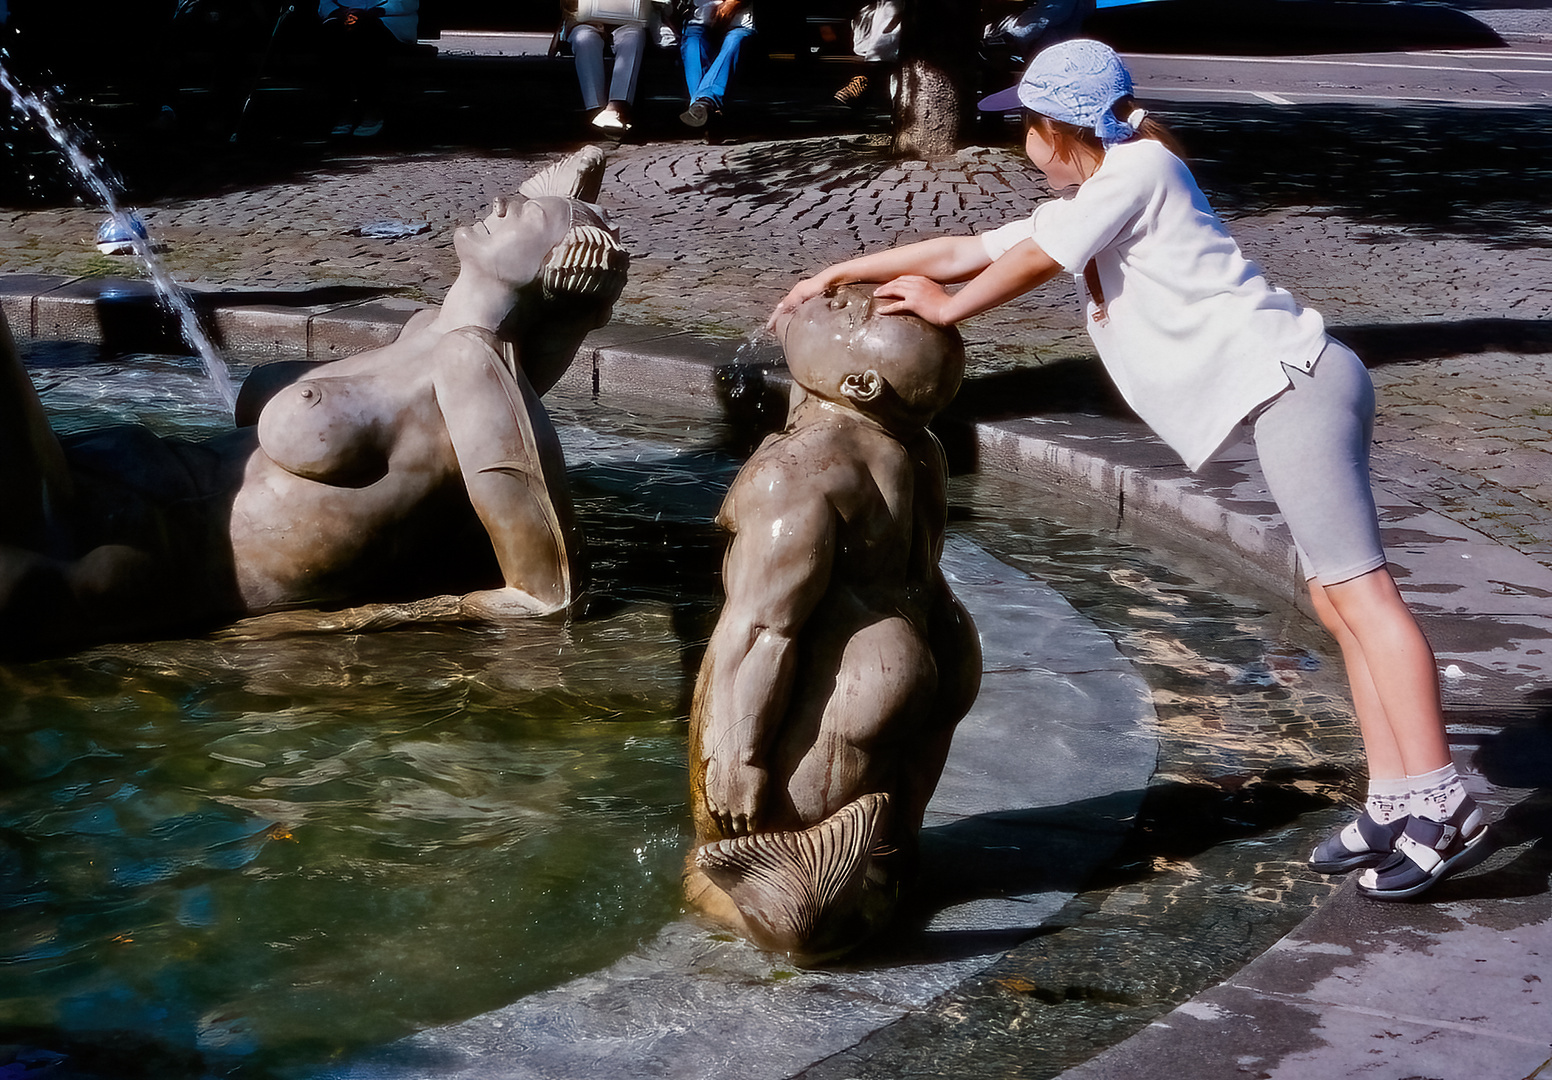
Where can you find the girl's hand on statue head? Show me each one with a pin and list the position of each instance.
(804, 290)
(913, 294)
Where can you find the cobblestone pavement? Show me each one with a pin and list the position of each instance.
(1427, 252)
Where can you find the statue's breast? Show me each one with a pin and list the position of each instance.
(327, 430)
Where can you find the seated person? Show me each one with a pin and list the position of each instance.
(425, 465)
(841, 661)
(723, 24)
(363, 37)
(610, 105)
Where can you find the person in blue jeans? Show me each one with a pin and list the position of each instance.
(706, 77)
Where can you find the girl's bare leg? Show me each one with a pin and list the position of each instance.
(1379, 745)
(1446, 831)
(1392, 671)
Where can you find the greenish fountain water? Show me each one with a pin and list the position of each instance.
(265, 852)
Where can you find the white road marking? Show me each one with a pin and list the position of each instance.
(1315, 96)
(1297, 61)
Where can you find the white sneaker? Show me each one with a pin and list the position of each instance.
(609, 119)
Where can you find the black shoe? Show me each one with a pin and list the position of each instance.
(613, 120)
(697, 114)
(715, 129)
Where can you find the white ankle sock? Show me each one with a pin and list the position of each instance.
(1436, 795)
(1388, 799)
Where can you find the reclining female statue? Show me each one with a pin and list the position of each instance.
(841, 662)
(427, 465)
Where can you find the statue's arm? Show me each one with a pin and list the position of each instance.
(515, 475)
(777, 570)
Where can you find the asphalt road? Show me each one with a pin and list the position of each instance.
(1518, 75)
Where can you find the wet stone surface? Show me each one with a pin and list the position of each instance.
(1429, 256)
(1256, 749)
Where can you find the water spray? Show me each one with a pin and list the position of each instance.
(91, 173)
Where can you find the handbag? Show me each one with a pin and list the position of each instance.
(612, 12)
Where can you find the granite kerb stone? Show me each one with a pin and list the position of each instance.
(1448, 989)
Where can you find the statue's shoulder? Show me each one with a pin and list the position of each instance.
(773, 463)
(465, 336)
(779, 477)
(475, 343)
(801, 453)
(926, 448)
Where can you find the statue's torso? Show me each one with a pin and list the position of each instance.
(372, 504)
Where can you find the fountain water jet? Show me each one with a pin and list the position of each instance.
(91, 172)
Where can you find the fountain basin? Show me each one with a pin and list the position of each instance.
(616, 367)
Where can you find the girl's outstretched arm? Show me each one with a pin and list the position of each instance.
(943, 258)
(1024, 267)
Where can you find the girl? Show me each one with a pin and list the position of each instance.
(1197, 341)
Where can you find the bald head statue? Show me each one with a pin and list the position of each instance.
(899, 369)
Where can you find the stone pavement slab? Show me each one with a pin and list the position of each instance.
(1449, 990)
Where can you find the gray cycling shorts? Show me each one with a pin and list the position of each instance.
(1313, 442)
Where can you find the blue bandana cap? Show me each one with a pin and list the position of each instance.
(1076, 82)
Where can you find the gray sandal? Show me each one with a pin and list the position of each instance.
(1362, 842)
(1428, 851)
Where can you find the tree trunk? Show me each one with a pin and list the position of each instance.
(938, 44)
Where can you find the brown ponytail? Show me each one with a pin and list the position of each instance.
(1149, 129)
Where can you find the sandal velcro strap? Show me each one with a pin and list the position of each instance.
(1372, 835)
(1361, 842)
(1425, 855)
(1428, 850)
(1438, 835)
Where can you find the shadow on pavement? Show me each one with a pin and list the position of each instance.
(1411, 171)
(1400, 343)
(1052, 849)
(1062, 386)
(225, 113)
(1516, 758)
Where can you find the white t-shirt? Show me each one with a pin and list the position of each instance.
(1191, 332)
